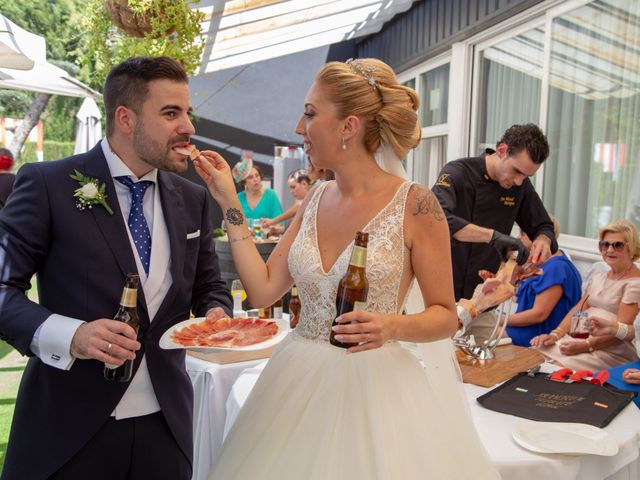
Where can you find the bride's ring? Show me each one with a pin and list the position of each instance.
(109, 349)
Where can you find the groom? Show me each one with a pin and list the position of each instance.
(69, 422)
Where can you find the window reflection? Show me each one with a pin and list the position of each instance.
(434, 96)
(593, 119)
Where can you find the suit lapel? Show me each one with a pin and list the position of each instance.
(113, 227)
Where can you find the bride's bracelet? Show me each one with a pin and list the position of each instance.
(623, 330)
(558, 333)
(249, 235)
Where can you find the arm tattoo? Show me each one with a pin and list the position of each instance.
(234, 216)
(428, 204)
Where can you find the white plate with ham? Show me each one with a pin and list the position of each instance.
(225, 334)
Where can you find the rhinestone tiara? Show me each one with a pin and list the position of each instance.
(358, 67)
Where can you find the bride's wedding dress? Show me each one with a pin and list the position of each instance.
(317, 412)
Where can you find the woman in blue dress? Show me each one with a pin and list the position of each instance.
(544, 300)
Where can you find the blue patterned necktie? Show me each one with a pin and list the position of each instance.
(137, 223)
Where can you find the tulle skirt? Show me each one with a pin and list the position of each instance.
(319, 413)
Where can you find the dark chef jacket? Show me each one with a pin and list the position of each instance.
(468, 195)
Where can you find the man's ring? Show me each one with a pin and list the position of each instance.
(109, 349)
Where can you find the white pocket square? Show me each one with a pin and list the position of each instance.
(195, 234)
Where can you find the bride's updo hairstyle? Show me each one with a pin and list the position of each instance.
(368, 89)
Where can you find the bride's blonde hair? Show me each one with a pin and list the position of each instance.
(368, 89)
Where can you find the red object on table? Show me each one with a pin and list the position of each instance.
(561, 375)
(601, 378)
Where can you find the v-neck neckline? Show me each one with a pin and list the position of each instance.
(363, 229)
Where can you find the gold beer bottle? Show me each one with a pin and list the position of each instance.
(353, 286)
(128, 314)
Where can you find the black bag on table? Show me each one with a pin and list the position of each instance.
(537, 398)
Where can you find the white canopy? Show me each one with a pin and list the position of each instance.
(43, 77)
(11, 55)
(246, 31)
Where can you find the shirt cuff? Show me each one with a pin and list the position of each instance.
(52, 341)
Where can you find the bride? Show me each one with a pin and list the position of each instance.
(371, 411)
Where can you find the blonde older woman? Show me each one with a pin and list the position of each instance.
(612, 296)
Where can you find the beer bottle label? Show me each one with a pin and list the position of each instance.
(358, 256)
(129, 297)
(358, 306)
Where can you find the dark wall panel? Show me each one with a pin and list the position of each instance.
(431, 26)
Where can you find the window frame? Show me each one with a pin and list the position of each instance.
(432, 131)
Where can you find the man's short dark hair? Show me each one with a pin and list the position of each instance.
(529, 137)
(128, 83)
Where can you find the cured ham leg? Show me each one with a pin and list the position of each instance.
(497, 287)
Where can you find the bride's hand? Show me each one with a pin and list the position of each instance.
(216, 174)
(367, 330)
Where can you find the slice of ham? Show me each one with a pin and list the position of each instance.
(190, 151)
(225, 332)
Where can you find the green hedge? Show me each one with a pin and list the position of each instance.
(52, 151)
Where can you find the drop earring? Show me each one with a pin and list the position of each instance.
(344, 145)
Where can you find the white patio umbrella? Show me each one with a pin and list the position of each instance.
(89, 126)
(12, 37)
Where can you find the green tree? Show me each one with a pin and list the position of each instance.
(60, 22)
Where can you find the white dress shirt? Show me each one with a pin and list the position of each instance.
(52, 340)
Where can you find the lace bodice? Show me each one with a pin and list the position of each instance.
(317, 288)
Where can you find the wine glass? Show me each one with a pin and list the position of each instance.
(237, 287)
(256, 227)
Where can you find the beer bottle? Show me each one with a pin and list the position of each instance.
(128, 314)
(276, 309)
(294, 307)
(353, 286)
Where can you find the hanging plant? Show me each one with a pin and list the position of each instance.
(119, 29)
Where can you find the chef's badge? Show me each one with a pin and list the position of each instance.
(508, 201)
(442, 180)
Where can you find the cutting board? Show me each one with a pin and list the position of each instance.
(508, 361)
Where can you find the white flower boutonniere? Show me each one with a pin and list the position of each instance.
(89, 193)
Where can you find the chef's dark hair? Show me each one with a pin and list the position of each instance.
(128, 83)
(526, 137)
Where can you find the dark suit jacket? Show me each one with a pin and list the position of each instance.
(6, 185)
(82, 258)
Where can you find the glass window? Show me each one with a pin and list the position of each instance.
(593, 121)
(434, 96)
(510, 82)
(428, 160)
(410, 83)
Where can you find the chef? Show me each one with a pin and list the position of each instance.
(483, 196)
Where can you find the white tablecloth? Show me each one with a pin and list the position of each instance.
(212, 383)
(512, 461)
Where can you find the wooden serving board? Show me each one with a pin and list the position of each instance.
(231, 356)
(508, 361)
